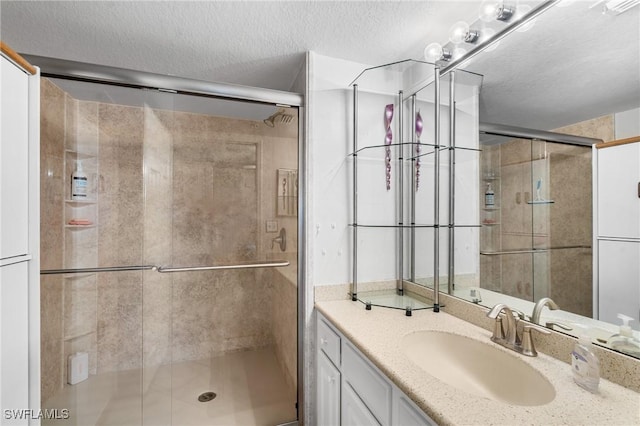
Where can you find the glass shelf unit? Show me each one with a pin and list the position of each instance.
(398, 155)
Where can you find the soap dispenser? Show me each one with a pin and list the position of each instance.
(624, 341)
(79, 183)
(584, 363)
(489, 196)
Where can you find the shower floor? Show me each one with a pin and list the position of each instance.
(250, 388)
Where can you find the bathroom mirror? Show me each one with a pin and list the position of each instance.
(573, 64)
(286, 192)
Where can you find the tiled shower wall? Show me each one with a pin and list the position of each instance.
(173, 188)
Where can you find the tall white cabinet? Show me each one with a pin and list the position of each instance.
(19, 240)
(617, 229)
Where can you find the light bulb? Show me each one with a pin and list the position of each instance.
(458, 32)
(435, 52)
(491, 10)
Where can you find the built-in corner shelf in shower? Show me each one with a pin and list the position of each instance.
(76, 227)
(78, 335)
(79, 155)
(80, 203)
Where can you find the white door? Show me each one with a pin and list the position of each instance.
(619, 280)
(618, 197)
(14, 342)
(14, 162)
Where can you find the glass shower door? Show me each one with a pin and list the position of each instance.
(536, 237)
(148, 290)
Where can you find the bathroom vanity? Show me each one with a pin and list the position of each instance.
(366, 377)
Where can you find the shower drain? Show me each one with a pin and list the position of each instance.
(207, 396)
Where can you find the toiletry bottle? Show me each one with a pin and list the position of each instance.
(584, 363)
(489, 196)
(624, 341)
(79, 183)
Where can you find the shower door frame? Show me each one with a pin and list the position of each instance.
(93, 73)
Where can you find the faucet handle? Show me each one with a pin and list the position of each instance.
(498, 329)
(550, 325)
(521, 315)
(528, 347)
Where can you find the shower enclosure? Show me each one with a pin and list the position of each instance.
(164, 298)
(536, 220)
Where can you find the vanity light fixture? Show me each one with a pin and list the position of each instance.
(460, 32)
(616, 7)
(435, 52)
(492, 9)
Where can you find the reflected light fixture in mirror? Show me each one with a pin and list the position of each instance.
(522, 11)
(616, 7)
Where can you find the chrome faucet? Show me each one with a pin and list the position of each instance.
(510, 330)
(540, 304)
(508, 336)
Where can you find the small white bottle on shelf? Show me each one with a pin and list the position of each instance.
(79, 183)
(489, 196)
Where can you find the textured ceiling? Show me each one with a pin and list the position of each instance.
(574, 64)
(258, 43)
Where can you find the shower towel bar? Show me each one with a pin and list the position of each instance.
(267, 264)
(545, 250)
(103, 269)
(165, 269)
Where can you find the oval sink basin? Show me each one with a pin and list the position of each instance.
(478, 368)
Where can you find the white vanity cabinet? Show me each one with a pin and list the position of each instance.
(353, 391)
(617, 229)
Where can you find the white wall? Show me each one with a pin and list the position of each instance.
(330, 103)
(627, 123)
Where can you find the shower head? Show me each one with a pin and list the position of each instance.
(284, 118)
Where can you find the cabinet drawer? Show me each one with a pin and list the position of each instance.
(328, 341)
(369, 384)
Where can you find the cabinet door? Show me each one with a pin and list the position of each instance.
(14, 163)
(328, 392)
(407, 414)
(354, 412)
(372, 387)
(618, 279)
(14, 343)
(618, 201)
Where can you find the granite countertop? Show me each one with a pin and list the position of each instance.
(378, 333)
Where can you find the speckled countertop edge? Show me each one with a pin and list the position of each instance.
(378, 334)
